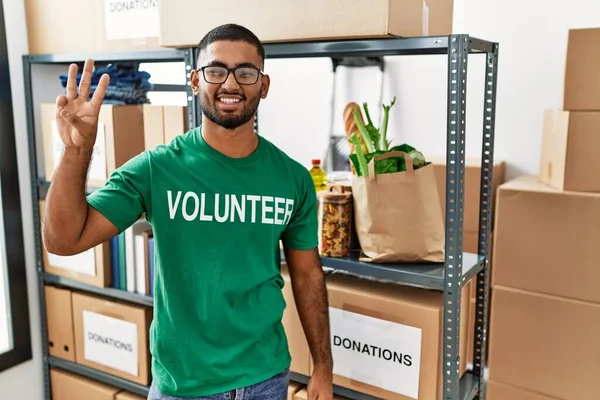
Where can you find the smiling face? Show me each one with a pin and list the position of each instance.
(229, 104)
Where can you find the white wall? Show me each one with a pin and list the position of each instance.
(24, 381)
(533, 39)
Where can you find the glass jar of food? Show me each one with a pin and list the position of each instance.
(335, 221)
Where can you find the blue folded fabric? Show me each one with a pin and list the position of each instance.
(128, 85)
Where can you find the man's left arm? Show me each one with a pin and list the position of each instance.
(310, 295)
(300, 241)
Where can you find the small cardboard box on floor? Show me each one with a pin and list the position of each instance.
(91, 266)
(544, 343)
(303, 395)
(569, 157)
(291, 20)
(120, 137)
(128, 396)
(293, 388)
(100, 26)
(500, 391)
(112, 337)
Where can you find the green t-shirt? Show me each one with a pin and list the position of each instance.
(217, 223)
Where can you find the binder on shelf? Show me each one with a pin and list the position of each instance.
(59, 322)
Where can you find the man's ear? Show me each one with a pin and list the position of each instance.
(266, 83)
(195, 82)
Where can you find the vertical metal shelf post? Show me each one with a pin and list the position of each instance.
(33, 172)
(485, 217)
(455, 155)
(28, 60)
(192, 100)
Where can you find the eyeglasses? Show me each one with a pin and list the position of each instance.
(243, 75)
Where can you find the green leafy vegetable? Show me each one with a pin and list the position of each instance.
(385, 144)
(364, 134)
(371, 129)
(417, 157)
(375, 141)
(385, 166)
(358, 158)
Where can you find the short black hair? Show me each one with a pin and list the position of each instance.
(234, 33)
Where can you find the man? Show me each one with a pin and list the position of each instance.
(219, 198)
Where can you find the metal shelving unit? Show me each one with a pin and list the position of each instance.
(33, 71)
(458, 267)
(449, 276)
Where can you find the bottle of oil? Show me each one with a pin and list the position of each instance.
(319, 175)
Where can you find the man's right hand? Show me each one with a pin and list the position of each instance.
(70, 225)
(76, 117)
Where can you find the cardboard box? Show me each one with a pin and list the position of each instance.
(112, 337)
(68, 386)
(290, 20)
(128, 396)
(163, 123)
(545, 344)
(59, 323)
(293, 388)
(96, 28)
(387, 338)
(546, 240)
(582, 81)
(298, 346)
(91, 266)
(472, 189)
(500, 391)
(303, 395)
(175, 122)
(120, 137)
(569, 159)
(153, 126)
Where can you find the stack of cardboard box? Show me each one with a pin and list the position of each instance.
(545, 316)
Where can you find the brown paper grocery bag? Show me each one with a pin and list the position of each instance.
(398, 216)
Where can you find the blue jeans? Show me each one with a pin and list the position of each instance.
(274, 388)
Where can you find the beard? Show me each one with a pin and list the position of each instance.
(226, 119)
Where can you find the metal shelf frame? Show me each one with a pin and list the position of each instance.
(449, 276)
(39, 189)
(452, 274)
